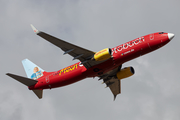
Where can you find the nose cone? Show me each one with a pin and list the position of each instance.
(170, 36)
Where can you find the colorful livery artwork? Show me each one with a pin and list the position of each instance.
(105, 64)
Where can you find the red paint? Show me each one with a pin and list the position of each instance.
(121, 54)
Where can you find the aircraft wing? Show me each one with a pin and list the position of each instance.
(77, 52)
(115, 86)
(112, 82)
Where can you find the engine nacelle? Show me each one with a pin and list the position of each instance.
(102, 55)
(125, 72)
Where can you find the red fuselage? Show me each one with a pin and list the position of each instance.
(120, 55)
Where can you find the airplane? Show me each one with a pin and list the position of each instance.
(105, 64)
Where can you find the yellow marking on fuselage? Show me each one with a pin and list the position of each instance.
(68, 69)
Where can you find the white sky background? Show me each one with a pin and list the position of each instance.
(152, 93)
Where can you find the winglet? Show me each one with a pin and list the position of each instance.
(34, 29)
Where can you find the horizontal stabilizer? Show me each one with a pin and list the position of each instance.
(38, 93)
(23, 80)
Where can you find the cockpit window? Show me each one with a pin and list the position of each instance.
(161, 33)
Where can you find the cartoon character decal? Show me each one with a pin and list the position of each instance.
(37, 73)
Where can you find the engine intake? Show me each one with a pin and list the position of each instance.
(102, 55)
(125, 72)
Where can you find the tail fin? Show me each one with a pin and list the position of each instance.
(32, 70)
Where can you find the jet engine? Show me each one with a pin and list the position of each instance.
(125, 72)
(102, 55)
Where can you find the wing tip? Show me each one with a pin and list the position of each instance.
(34, 29)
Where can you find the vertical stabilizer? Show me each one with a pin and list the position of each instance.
(32, 70)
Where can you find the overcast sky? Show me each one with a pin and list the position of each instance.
(153, 93)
